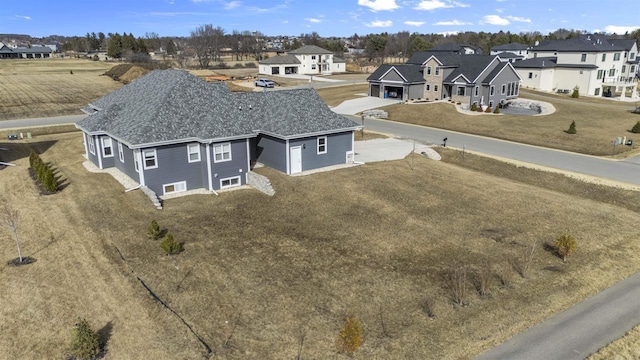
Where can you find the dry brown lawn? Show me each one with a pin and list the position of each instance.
(374, 241)
(335, 95)
(625, 348)
(42, 88)
(597, 122)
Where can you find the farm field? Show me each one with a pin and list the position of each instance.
(597, 123)
(46, 87)
(375, 241)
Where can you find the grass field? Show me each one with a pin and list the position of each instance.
(46, 87)
(374, 241)
(625, 348)
(334, 96)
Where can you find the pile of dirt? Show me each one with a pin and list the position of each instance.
(129, 72)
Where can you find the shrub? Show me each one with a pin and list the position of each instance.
(474, 107)
(456, 279)
(565, 245)
(154, 230)
(170, 246)
(350, 338)
(572, 128)
(250, 65)
(479, 108)
(488, 109)
(49, 182)
(482, 278)
(86, 342)
(496, 110)
(523, 264)
(238, 65)
(576, 92)
(636, 128)
(95, 58)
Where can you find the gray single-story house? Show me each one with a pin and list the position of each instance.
(171, 132)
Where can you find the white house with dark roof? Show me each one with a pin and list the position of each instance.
(595, 64)
(469, 79)
(34, 52)
(511, 52)
(170, 131)
(307, 60)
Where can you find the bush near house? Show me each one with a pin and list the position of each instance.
(636, 128)
(474, 107)
(170, 246)
(565, 246)
(572, 128)
(350, 338)
(43, 172)
(576, 93)
(86, 342)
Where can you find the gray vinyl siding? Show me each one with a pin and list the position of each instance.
(92, 157)
(107, 162)
(393, 76)
(505, 77)
(227, 169)
(128, 167)
(337, 147)
(173, 167)
(272, 152)
(416, 91)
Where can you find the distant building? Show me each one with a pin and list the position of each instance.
(34, 52)
(307, 60)
(511, 52)
(460, 49)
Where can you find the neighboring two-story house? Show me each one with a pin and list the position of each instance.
(594, 64)
(469, 79)
(307, 60)
(511, 52)
(171, 132)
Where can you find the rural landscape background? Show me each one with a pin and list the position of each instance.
(274, 277)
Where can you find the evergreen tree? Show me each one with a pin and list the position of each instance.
(86, 342)
(572, 128)
(636, 128)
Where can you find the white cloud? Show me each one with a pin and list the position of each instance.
(285, 21)
(232, 5)
(24, 17)
(452, 22)
(499, 11)
(519, 19)
(502, 0)
(380, 23)
(495, 20)
(313, 20)
(620, 30)
(379, 5)
(414, 23)
(430, 5)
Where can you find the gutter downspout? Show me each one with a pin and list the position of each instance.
(208, 148)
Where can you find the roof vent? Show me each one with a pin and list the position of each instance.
(240, 108)
(588, 37)
(250, 107)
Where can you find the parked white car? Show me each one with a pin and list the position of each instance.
(265, 83)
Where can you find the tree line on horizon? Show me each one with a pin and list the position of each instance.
(206, 43)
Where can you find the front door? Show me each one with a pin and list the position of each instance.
(296, 159)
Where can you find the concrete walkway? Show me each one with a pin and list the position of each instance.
(385, 149)
(352, 107)
(579, 331)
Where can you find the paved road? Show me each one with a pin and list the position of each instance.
(579, 331)
(23, 123)
(627, 171)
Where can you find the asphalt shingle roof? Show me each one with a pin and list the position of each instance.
(510, 46)
(411, 72)
(310, 50)
(170, 106)
(282, 59)
(548, 62)
(585, 43)
(470, 66)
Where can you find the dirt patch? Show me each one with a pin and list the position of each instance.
(133, 73)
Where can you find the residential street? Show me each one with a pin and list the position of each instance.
(627, 171)
(23, 123)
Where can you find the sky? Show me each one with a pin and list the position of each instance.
(40, 18)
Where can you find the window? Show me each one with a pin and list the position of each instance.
(612, 72)
(92, 145)
(476, 90)
(597, 92)
(174, 188)
(504, 89)
(322, 145)
(490, 104)
(193, 151)
(632, 56)
(492, 90)
(535, 55)
(149, 159)
(313, 66)
(604, 57)
(428, 87)
(624, 68)
(229, 182)
(600, 74)
(428, 70)
(120, 152)
(616, 56)
(632, 69)
(107, 147)
(435, 88)
(222, 152)
(530, 75)
(437, 71)
(313, 57)
(583, 58)
(461, 90)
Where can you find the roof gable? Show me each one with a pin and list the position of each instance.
(310, 50)
(281, 59)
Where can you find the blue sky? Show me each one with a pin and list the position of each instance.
(328, 18)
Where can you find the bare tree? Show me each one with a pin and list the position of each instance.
(207, 42)
(456, 280)
(11, 217)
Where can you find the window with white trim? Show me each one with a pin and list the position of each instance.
(435, 88)
(313, 57)
(604, 57)
(600, 74)
(174, 187)
(477, 88)
(107, 147)
(616, 56)
(437, 70)
(92, 145)
(583, 57)
(120, 152)
(632, 56)
(229, 182)
(624, 68)
(530, 75)
(612, 72)
(492, 90)
(428, 88)
(461, 90)
(632, 69)
(322, 145)
(193, 152)
(313, 66)
(428, 70)
(504, 89)
(222, 152)
(149, 159)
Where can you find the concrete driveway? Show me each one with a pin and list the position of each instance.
(352, 107)
(386, 149)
